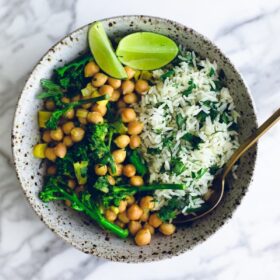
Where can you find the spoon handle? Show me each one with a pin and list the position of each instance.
(250, 141)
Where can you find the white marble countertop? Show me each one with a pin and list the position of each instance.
(248, 247)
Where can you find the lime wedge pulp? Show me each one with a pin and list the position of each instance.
(146, 50)
(103, 52)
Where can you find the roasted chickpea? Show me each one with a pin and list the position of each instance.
(82, 120)
(46, 136)
(100, 169)
(50, 105)
(167, 229)
(135, 127)
(65, 99)
(128, 115)
(67, 127)
(76, 98)
(150, 228)
(120, 224)
(130, 98)
(141, 86)
(121, 104)
(94, 117)
(122, 206)
(134, 212)
(99, 79)
(106, 89)
(130, 200)
(70, 114)
(155, 221)
(129, 170)
(81, 113)
(51, 170)
(122, 141)
(136, 181)
(145, 215)
(100, 108)
(130, 72)
(56, 134)
(60, 150)
(127, 87)
(110, 215)
(115, 96)
(111, 180)
(123, 217)
(114, 83)
(50, 154)
(71, 184)
(135, 142)
(119, 155)
(143, 237)
(77, 134)
(118, 172)
(91, 68)
(67, 141)
(134, 227)
(68, 203)
(147, 202)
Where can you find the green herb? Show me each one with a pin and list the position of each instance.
(167, 142)
(171, 210)
(189, 89)
(177, 166)
(212, 72)
(193, 140)
(224, 118)
(213, 169)
(197, 175)
(137, 160)
(167, 74)
(180, 120)
(102, 184)
(154, 151)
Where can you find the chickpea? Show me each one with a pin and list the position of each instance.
(141, 86)
(111, 180)
(119, 155)
(122, 141)
(135, 127)
(129, 170)
(82, 120)
(76, 98)
(56, 134)
(99, 79)
(136, 181)
(123, 217)
(114, 83)
(51, 170)
(110, 215)
(155, 221)
(130, 98)
(145, 215)
(46, 136)
(147, 202)
(150, 228)
(100, 108)
(67, 127)
(122, 206)
(130, 200)
(106, 89)
(87, 105)
(143, 237)
(134, 212)
(71, 184)
(127, 86)
(50, 154)
(167, 229)
(135, 142)
(81, 113)
(65, 99)
(91, 68)
(115, 96)
(119, 168)
(77, 134)
(100, 169)
(128, 115)
(134, 227)
(70, 114)
(120, 224)
(121, 104)
(115, 209)
(79, 189)
(50, 105)
(68, 203)
(60, 150)
(94, 117)
(130, 72)
(67, 141)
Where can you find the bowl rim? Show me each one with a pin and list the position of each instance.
(58, 43)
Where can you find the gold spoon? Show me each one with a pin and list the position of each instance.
(218, 185)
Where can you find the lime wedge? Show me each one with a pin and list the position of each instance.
(103, 52)
(146, 50)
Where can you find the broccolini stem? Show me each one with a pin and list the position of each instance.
(152, 187)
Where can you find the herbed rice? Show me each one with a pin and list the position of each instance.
(192, 102)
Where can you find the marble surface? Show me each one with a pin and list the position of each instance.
(248, 247)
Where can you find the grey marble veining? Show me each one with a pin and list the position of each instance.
(248, 247)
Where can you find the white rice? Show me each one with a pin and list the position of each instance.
(158, 110)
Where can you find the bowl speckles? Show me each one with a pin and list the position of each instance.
(78, 229)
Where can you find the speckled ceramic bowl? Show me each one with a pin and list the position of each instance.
(77, 229)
